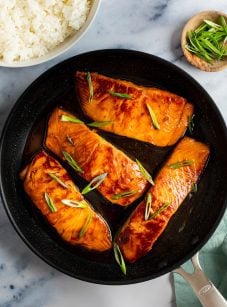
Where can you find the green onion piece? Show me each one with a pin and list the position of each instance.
(121, 95)
(212, 24)
(86, 225)
(100, 124)
(96, 181)
(208, 40)
(148, 206)
(74, 203)
(181, 164)
(123, 194)
(191, 123)
(49, 202)
(72, 162)
(211, 47)
(53, 176)
(223, 23)
(153, 117)
(160, 210)
(201, 28)
(119, 258)
(91, 91)
(69, 139)
(194, 188)
(70, 119)
(144, 172)
(182, 227)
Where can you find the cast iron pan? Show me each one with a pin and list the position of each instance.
(190, 227)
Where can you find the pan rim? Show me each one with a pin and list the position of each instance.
(161, 272)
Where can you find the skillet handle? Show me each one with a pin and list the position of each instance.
(206, 292)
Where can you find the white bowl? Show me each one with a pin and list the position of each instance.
(64, 46)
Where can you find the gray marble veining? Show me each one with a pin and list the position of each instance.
(150, 26)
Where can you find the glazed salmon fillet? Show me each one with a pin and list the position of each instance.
(52, 191)
(172, 185)
(95, 156)
(129, 115)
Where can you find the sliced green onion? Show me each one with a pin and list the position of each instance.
(191, 123)
(153, 117)
(160, 210)
(182, 227)
(86, 225)
(123, 194)
(100, 124)
(121, 95)
(49, 202)
(53, 176)
(211, 47)
(194, 188)
(95, 183)
(224, 24)
(91, 91)
(208, 40)
(72, 162)
(212, 24)
(70, 119)
(74, 203)
(181, 164)
(69, 139)
(148, 206)
(144, 172)
(119, 258)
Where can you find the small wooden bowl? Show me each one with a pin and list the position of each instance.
(192, 24)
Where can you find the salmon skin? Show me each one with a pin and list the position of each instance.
(173, 183)
(45, 179)
(129, 115)
(95, 156)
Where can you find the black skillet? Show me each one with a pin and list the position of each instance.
(190, 227)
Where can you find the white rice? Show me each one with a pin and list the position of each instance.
(30, 28)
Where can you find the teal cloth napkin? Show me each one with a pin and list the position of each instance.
(213, 260)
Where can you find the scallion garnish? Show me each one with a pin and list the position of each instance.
(72, 162)
(91, 91)
(153, 117)
(208, 40)
(181, 164)
(120, 95)
(100, 124)
(95, 183)
(86, 225)
(160, 210)
(194, 188)
(70, 119)
(49, 202)
(123, 195)
(69, 139)
(119, 258)
(148, 206)
(53, 176)
(191, 123)
(74, 203)
(144, 172)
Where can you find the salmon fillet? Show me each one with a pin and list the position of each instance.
(77, 226)
(95, 156)
(130, 116)
(173, 183)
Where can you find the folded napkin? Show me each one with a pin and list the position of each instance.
(213, 260)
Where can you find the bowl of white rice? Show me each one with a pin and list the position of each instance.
(35, 31)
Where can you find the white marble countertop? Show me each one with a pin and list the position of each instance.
(153, 26)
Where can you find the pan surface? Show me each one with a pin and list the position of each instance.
(190, 227)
